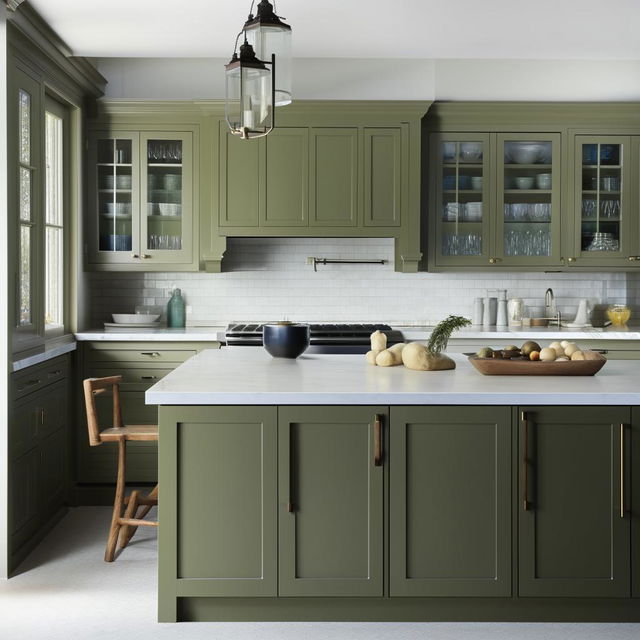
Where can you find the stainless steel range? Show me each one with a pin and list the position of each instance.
(325, 338)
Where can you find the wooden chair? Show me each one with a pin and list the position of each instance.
(124, 521)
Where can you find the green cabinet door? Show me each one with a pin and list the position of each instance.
(450, 501)
(53, 471)
(223, 484)
(286, 178)
(632, 441)
(574, 534)
(330, 501)
(25, 490)
(333, 177)
(384, 188)
(239, 180)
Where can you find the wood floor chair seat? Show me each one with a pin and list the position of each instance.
(125, 519)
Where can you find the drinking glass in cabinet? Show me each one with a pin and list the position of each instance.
(531, 241)
(164, 151)
(464, 244)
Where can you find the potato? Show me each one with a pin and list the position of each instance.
(548, 354)
(371, 357)
(378, 341)
(390, 357)
(415, 356)
(571, 348)
(577, 355)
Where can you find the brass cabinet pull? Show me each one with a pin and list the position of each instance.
(145, 255)
(494, 260)
(135, 255)
(148, 377)
(290, 505)
(526, 505)
(41, 417)
(572, 259)
(377, 441)
(57, 372)
(622, 474)
(634, 258)
(153, 354)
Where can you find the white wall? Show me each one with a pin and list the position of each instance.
(371, 79)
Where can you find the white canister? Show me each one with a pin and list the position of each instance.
(515, 310)
(501, 320)
(478, 310)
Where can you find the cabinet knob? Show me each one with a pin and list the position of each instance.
(572, 259)
(634, 258)
(135, 255)
(145, 255)
(494, 260)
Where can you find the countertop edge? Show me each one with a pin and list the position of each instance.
(39, 358)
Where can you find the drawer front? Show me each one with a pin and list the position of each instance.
(133, 378)
(138, 355)
(39, 376)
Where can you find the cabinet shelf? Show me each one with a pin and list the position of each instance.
(161, 218)
(164, 164)
(512, 165)
(527, 192)
(602, 193)
(463, 165)
(113, 164)
(114, 190)
(463, 191)
(601, 166)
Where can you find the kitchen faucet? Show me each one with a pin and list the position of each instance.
(550, 310)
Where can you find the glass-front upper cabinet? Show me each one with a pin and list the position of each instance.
(604, 229)
(460, 186)
(528, 200)
(141, 213)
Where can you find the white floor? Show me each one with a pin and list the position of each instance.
(65, 591)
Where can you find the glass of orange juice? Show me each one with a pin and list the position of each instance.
(619, 315)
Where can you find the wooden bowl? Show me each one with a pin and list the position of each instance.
(526, 367)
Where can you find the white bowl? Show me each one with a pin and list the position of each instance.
(135, 318)
(525, 153)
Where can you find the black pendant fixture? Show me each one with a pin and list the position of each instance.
(253, 89)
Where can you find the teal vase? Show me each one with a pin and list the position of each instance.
(176, 314)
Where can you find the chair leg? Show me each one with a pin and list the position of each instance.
(129, 512)
(118, 503)
(145, 510)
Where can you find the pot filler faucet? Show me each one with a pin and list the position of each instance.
(550, 311)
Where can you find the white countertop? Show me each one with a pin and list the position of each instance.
(43, 356)
(253, 377)
(160, 334)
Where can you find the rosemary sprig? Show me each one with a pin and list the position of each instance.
(442, 332)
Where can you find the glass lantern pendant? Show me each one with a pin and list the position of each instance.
(249, 94)
(269, 35)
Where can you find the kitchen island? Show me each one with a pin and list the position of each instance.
(326, 489)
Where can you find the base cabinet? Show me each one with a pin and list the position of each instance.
(450, 501)
(399, 513)
(330, 501)
(574, 529)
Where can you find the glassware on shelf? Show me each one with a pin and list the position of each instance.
(619, 315)
(527, 242)
(603, 242)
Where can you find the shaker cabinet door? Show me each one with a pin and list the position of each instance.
(330, 507)
(450, 501)
(573, 496)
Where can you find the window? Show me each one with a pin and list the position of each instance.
(54, 228)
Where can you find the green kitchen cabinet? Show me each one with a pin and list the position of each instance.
(286, 178)
(220, 477)
(333, 177)
(632, 440)
(38, 466)
(142, 190)
(495, 200)
(331, 465)
(605, 229)
(450, 501)
(574, 524)
(384, 193)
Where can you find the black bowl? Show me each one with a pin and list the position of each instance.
(286, 340)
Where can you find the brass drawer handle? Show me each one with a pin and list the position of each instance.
(494, 260)
(29, 383)
(572, 259)
(153, 354)
(634, 258)
(135, 255)
(377, 441)
(148, 377)
(526, 505)
(144, 256)
(57, 372)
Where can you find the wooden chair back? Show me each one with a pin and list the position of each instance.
(92, 388)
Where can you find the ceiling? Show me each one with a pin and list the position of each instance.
(520, 29)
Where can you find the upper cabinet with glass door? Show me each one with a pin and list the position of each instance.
(604, 228)
(141, 213)
(528, 200)
(460, 183)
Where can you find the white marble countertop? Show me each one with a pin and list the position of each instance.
(253, 377)
(160, 334)
(47, 354)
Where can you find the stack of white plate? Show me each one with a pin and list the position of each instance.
(473, 211)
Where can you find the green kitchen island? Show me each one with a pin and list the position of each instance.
(326, 489)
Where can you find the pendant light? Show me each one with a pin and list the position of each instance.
(269, 35)
(252, 87)
(249, 94)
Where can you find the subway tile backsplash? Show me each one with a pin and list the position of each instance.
(268, 279)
